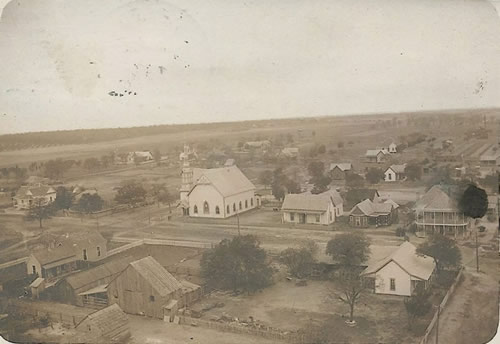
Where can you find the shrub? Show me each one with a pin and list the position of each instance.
(400, 232)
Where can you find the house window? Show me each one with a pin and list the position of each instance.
(151, 298)
(195, 209)
(292, 216)
(389, 176)
(331, 216)
(84, 254)
(393, 284)
(317, 218)
(89, 328)
(246, 203)
(240, 206)
(228, 209)
(217, 210)
(234, 206)
(98, 251)
(206, 208)
(33, 268)
(358, 221)
(251, 202)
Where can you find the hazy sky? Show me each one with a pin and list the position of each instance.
(189, 61)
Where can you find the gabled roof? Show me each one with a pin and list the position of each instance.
(357, 195)
(229, 162)
(391, 202)
(306, 202)
(89, 238)
(406, 257)
(107, 320)
(375, 152)
(397, 168)
(142, 154)
(34, 191)
(47, 256)
(369, 208)
(227, 180)
(436, 199)
(344, 166)
(156, 275)
(334, 196)
(87, 277)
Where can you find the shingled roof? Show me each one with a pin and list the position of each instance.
(156, 275)
(398, 168)
(370, 208)
(47, 256)
(227, 180)
(34, 191)
(111, 322)
(406, 257)
(436, 199)
(344, 166)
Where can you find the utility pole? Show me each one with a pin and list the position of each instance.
(437, 325)
(477, 254)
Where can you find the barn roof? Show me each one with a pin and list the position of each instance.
(107, 320)
(227, 180)
(156, 275)
(46, 256)
(83, 278)
(408, 259)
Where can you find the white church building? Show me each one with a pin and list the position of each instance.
(217, 192)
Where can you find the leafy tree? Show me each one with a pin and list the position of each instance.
(413, 172)
(157, 156)
(349, 249)
(91, 164)
(340, 144)
(40, 210)
(417, 305)
(55, 169)
(90, 203)
(157, 190)
(64, 198)
(292, 186)
(300, 260)
(374, 175)
(131, 193)
(321, 184)
(444, 251)
(239, 263)
(354, 180)
(474, 202)
(278, 191)
(266, 177)
(316, 169)
(166, 197)
(106, 160)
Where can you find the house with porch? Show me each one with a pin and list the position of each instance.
(401, 272)
(368, 213)
(50, 263)
(322, 208)
(437, 212)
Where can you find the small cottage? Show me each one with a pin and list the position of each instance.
(27, 195)
(338, 171)
(401, 272)
(51, 262)
(395, 173)
(376, 155)
(368, 213)
(322, 208)
(108, 325)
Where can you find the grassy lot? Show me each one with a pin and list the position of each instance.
(380, 318)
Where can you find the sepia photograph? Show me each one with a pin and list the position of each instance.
(249, 171)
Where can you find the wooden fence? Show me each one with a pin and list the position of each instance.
(427, 337)
(270, 333)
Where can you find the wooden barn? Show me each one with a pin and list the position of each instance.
(146, 288)
(108, 325)
(88, 288)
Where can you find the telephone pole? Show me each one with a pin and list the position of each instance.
(477, 254)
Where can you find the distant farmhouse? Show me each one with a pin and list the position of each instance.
(146, 288)
(188, 154)
(368, 213)
(395, 173)
(490, 158)
(389, 146)
(229, 162)
(27, 196)
(217, 192)
(437, 212)
(402, 272)
(264, 144)
(142, 156)
(377, 155)
(322, 208)
(338, 171)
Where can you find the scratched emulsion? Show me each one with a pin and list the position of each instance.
(123, 63)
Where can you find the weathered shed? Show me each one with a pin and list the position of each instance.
(108, 325)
